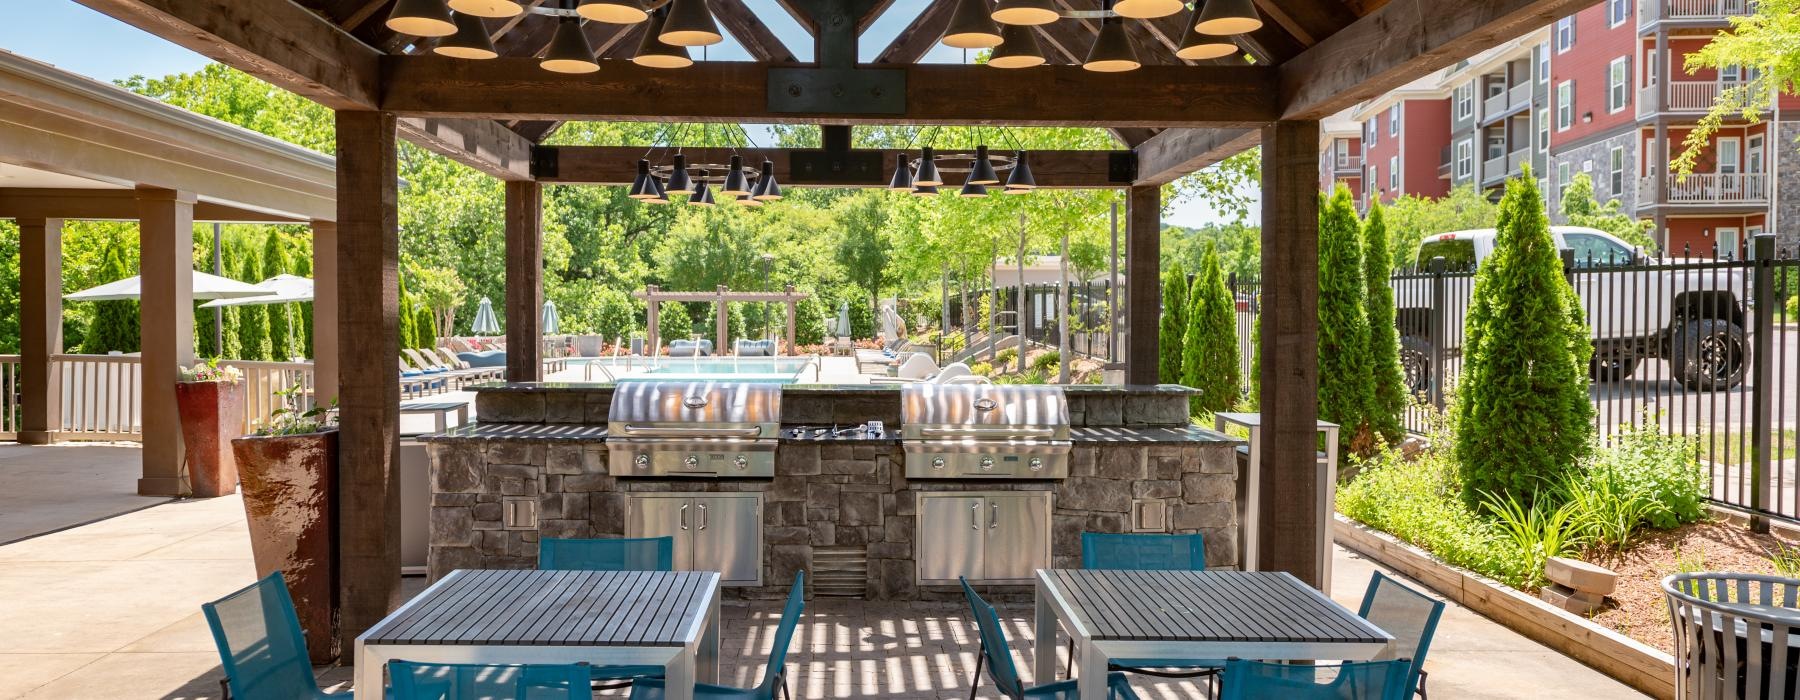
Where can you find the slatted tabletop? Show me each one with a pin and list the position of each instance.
(1212, 606)
(555, 608)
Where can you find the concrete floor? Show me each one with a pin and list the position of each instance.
(44, 488)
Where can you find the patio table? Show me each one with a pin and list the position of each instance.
(1266, 615)
(665, 618)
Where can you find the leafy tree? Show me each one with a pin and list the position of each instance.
(1239, 247)
(865, 251)
(673, 321)
(9, 287)
(1522, 412)
(115, 323)
(1410, 219)
(252, 319)
(1760, 44)
(1345, 389)
(1579, 208)
(1172, 328)
(424, 329)
(1209, 350)
(441, 291)
(408, 318)
(809, 321)
(1390, 398)
(282, 320)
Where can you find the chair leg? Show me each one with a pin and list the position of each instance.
(1069, 669)
(975, 681)
(225, 689)
(1422, 675)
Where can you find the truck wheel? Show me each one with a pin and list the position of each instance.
(1708, 355)
(1415, 362)
(1611, 368)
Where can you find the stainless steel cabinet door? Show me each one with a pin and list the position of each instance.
(952, 534)
(1018, 535)
(728, 537)
(663, 516)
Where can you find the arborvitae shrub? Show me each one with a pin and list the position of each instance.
(1210, 362)
(1173, 325)
(1384, 337)
(1345, 390)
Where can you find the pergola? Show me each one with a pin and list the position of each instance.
(1312, 58)
(720, 299)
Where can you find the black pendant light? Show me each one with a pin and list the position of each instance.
(736, 185)
(1199, 47)
(928, 173)
(690, 24)
(702, 194)
(488, 8)
(662, 196)
(1224, 17)
(1020, 181)
(973, 190)
(569, 51)
(613, 11)
(925, 190)
(981, 170)
(421, 18)
(1148, 9)
(1026, 12)
(1112, 51)
(469, 41)
(1019, 50)
(767, 189)
(640, 185)
(653, 52)
(971, 26)
(903, 179)
(749, 201)
(679, 182)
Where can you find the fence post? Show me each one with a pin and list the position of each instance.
(1762, 294)
(1434, 329)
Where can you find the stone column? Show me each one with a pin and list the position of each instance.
(40, 329)
(524, 281)
(1143, 277)
(325, 312)
(166, 316)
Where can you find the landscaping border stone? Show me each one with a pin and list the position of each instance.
(1629, 661)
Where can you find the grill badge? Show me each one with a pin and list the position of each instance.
(694, 401)
(986, 404)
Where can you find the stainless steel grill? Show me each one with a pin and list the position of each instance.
(959, 431)
(694, 429)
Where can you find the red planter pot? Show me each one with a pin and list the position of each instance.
(212, 413)
(292, 512)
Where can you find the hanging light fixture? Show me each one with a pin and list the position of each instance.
(1148, 9)
(469, 41)
(613, 11)
(690, 23)
(928, 172)
(488, 8)
(1196, 46)
(749, 201)
(640, 185)
(1111, 52)
(1222, 17)
(902, 181)
(1026, 12)
(1020, 181)
(925, 190)
(981, 170)
(679, 182)
(661, 196)
(421, 18)
(654, 53)
(1019, 50)
(768, 189)
(569, 51)
(971, 26)
(973, 190)
(736, 184)
(702, 194)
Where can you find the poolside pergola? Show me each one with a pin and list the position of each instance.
(1312, 59)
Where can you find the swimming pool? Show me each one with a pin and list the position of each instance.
(780, 370)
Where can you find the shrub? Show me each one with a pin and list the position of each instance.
(1793, 309)
(809, 321)
(253, 319)
(1005, 358)
(1661, 466)
(1537, 532)
(283, 320)
(1173, 325)
(1389, 392)
(982, 368)
(115, 323)
(1210, 364)
(1046, 361)
(673, 322)
(1345, 389)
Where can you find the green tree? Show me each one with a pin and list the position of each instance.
(282, 319)
(409, 318)
(1172, 328)
(252, 319)
(1411, 218)
(865, 251)
(115, 323)
(1390, 397)
(1579, 208)
(1209, 349)
(9, 288)
(424, 329)
(1345, 390)
(1761, 47)
(1523, 418)
(673, 321)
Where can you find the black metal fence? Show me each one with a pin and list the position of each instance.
(1033, 315)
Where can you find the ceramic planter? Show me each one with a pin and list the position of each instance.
(291, 507)
(212, 413)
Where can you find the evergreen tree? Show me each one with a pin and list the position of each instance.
(252, 319)
(281, 316)
(1523, 416)
(1173, 326)
(1390, 396)
(304, 311)
(115, 323)
(424, 329)
(1256, 363)
(1210, 359)
(1345, 390)
(408, 318)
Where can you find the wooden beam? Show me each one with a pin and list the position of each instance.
(1397, 43)
(40, 329)
(762, 44)
(617, 165)
(1174, 153)
(481, 144)
(919, 36)
(114, 205)
(275, 40)
(166, 315)
(524, 281)
(1288, 531)
(1153, 96)
(1307, 21)
(1143, 282)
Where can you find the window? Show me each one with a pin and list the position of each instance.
(1565, 34)
(1562, 178)
(1370, 133)
(1394, 173)
(1651, 68)
(1543, 129)
(1374, 179)
(1394, 120)
(1617, 170)
(1543, 53)
(1465, 100)
(1565, 105)
(1596, 251)
(1753, 155)
(1465, 166)
(1729, 156)
(1618, 85)
(1617, 11)
(1731, 74)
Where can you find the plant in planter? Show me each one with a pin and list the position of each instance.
(288, 468)
(210, 401)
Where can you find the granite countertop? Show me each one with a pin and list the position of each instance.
(843, 389)
(1091, 436)
(888, 437)
(520, 432)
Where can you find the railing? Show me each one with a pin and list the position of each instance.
(1493, 168)
(1646, 100)
(1348, 163)
(1650, 11)
(9, 397)
(1515, 161)
(1694, 95)
(100, 397)
(1509, 99)
(263, 381)
(1715, 188)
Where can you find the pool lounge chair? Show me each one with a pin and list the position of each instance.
(877, 361)
(690, 348)
(753, 348)
(449, 358)
(919, 369)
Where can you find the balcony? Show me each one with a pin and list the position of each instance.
(1502, 167)
(1706, 189)
(1691, 11)
(1346, 164)
(1684, 96)
(1514, 98)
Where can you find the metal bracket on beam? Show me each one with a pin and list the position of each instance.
(836, 85)
(544, 162)
(1122, 167)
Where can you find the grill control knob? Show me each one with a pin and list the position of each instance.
(987, 463)
(937, 462)
(693, 460)
(741, 462)
(642, 461)
(1036, 464)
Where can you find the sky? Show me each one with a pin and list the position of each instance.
(83, 41)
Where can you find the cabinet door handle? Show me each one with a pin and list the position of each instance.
(994, 516)
(702, 516)
(684, 521)
(975, 516)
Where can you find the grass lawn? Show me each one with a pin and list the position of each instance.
(1724, 447)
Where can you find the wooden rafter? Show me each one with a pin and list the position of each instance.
(617, 165)
(1174, 153)
(743, 24)
(1307, 21)
(919, 36)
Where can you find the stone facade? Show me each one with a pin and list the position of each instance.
(1786, 223)
(1595, 159)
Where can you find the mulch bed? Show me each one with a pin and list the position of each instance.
(1638, 608)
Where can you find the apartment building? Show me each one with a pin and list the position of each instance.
(1341, 158)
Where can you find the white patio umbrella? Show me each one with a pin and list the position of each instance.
(843, 319)
(280, 289)
(485, 323)
(205, 287)
(552, 323)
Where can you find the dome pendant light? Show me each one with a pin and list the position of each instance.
(640, 185)
(679, 182)
(702, 196)
(690, 23)
(569, 50)
(613, 11)
(421, 18)
(981, 170)
(928, 172)
(1019, 50)
(973, 190)
(654, 53)
(488, 8)
(1199, 47)
(971, 27)
(1148, 9)
(1020, 181)
(1026, 12)
(736, 185)
(469, 41)
(1223, 17)
(925, 190)
(770, 189)
(1112, 52)
(903, 179)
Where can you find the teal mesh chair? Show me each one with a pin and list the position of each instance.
(261, 645)
(1365, 680)
(417, 681)
(1149, 552)
(774, 676)
(997, 656)
(610, 554)
(1409, 615)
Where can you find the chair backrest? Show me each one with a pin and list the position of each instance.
(950, 373)
(417, 681)
(419, 360)
(613, 554)
(260, 642)
(1407, 614)
(916, 366)
(993, 644)
(1365, 680)
(1143, 552)
(784, 637)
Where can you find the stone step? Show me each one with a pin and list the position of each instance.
(1581, 575)
(1578, 602)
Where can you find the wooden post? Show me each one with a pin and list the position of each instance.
(1143, 272)
(40, 329)
(1289, 527)
(368, 284)
(524, 281)
(652, 336)
(791, 313)
(166, 315)
(721, 318)
(325, 312)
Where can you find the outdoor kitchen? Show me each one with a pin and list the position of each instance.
(877, 492)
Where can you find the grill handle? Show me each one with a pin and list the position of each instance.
(669, 431)
(987, 432)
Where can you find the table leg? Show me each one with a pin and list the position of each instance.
(1091, 684)
(368, 673)
(678, 676)
(707, 665)
(1044, 647)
